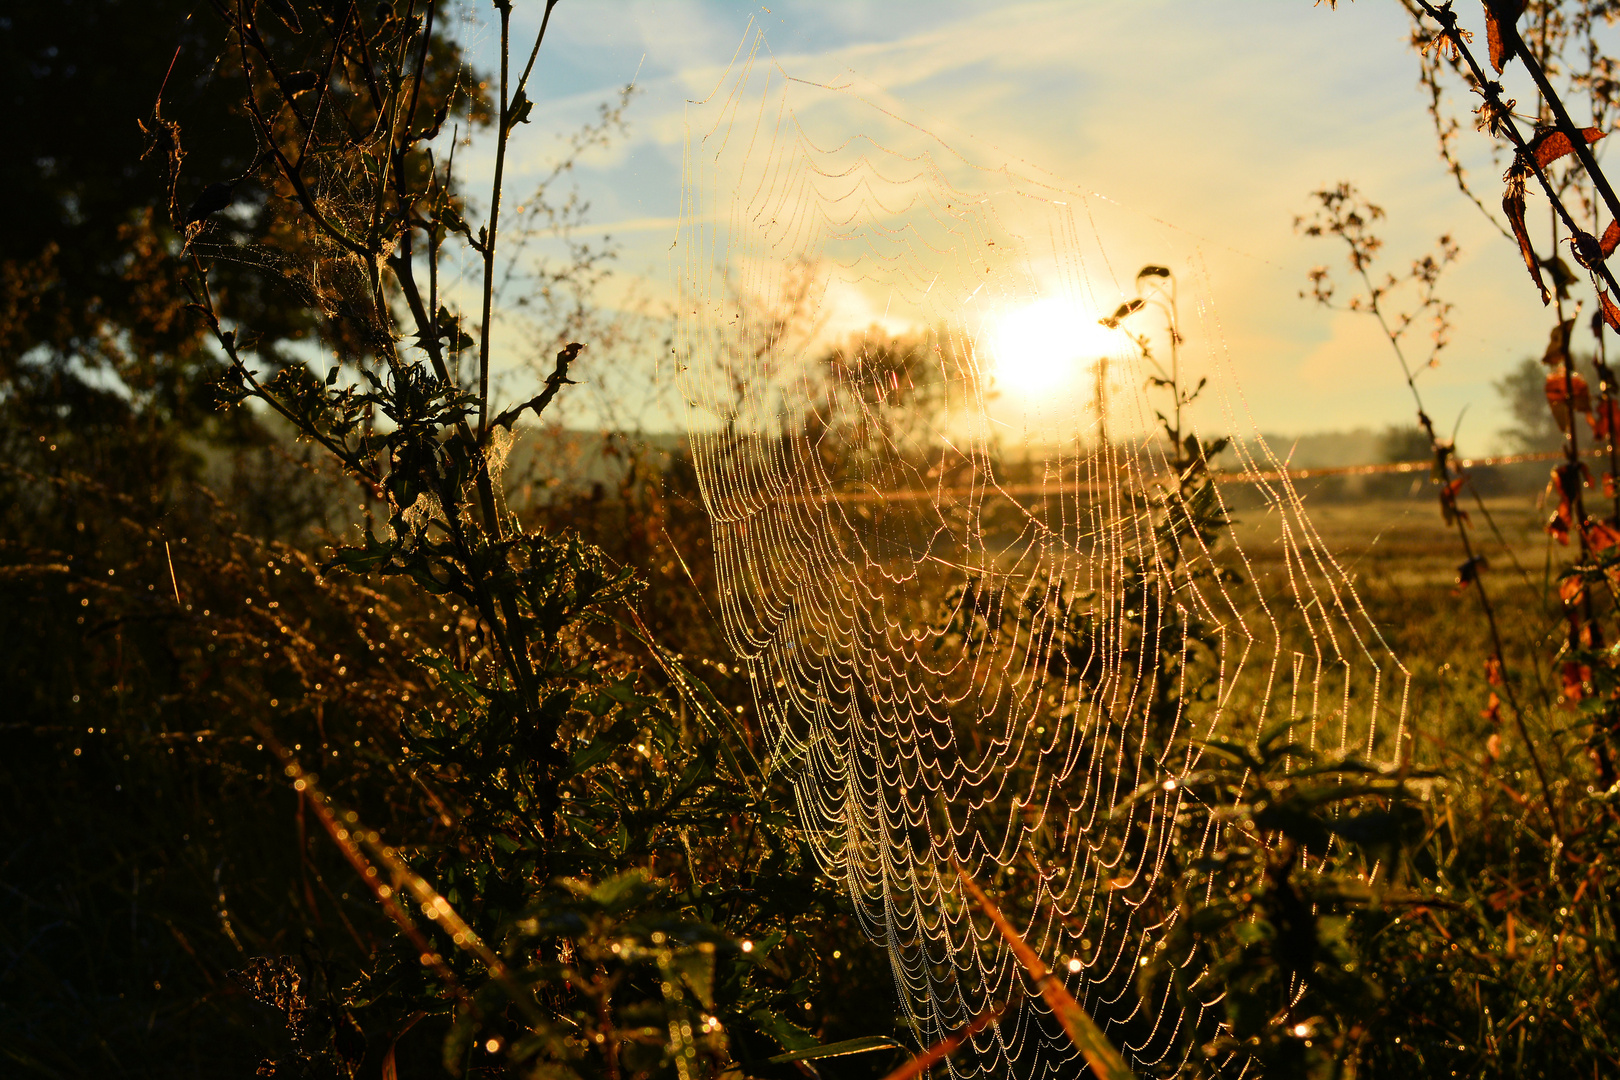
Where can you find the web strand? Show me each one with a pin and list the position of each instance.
(974, 631)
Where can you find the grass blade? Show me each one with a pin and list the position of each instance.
(945, 1047)
(1083, 1032)
(838, 1049)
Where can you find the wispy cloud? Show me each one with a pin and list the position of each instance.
(1211, 123)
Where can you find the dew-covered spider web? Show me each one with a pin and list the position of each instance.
(958, 554)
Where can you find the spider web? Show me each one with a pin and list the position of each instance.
(970, 637)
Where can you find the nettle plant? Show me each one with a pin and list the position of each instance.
(608, 892)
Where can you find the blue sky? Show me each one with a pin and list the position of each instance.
(1211, 122)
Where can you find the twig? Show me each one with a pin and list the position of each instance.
(554, 382)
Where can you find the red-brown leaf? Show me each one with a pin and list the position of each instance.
(1571, 589)
(1576, 676)
(1568, 387)
(1567, 481)
(1611, 238)
(1567, 394)
(1605, 420)
(943, 1049)
(1500, 15)
(1601, 536)
(1513, 207)
(1611, 313)
(1552, 144)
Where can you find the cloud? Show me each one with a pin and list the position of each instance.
(1202, 127)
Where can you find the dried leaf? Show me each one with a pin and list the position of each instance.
(1611, 313)
(1551, 144)
(1589, 636)
(1500, 35)
(1575, 677)
(1558, 344)
(1605, 420)
(214, 198)
(1611, 239)
(1468, 572)
(943, 1049)
(1106, 1062)
(1571, 589)
(1513, 207)
(1562, 276)
(1586, 249)
(1601, 536)
(1493, 747)
(1493, 709)
(1567, 481)
(1493, 670)
(1567, 394)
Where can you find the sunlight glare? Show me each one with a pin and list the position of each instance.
(1046, 344)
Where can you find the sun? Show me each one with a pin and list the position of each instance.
(1043, 346)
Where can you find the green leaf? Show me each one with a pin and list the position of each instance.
(791, 1036)
(603, 746)
(697, 968)
(616, 891)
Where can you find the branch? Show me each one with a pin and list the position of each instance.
(554, 382)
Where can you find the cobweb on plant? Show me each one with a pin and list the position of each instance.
(945, 564)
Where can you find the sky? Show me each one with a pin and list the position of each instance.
(1198, 129)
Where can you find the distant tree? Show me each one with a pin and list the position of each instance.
(1523, 391)
(1404, 442)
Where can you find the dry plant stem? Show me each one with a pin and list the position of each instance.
(1443, 461)
(505, 7)
(421, 66)
(1491, 91)
(508, 629)
(1607, 403)
(1524, 575)
(1582, 149)
(1430, 80)
(503, 629)
(393, 159)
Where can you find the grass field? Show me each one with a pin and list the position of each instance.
(1403, 561)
